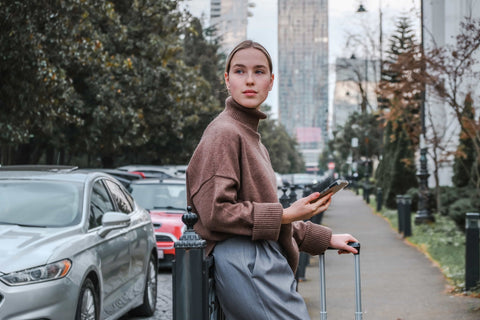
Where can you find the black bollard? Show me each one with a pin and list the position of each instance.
(192, 279)
(472, 254)
(307, 190)
(379, 199)
(400, 214)
(303, 259)
(407, 214)
(293, 194)
(284, 199)
(366, 192)
(302, 264)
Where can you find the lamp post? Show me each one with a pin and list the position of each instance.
(361, 9)
(423, 214)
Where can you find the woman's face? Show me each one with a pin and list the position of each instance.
(249, 79)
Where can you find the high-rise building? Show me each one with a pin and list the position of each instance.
(303, 74)
(230, 18)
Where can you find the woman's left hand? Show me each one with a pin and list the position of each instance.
(340, 242)
(307, 207)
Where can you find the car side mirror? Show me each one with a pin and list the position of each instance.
(113, 220)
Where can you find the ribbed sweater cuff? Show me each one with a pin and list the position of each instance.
(317, 239)
(267, 220)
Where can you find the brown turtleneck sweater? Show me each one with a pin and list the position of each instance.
(231, 186)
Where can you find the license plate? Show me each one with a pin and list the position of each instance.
(160, 254)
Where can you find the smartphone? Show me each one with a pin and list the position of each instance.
(333, 188)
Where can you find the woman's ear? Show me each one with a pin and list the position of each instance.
(271, 82)
(227, 81)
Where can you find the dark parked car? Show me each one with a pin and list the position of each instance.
(74, 245)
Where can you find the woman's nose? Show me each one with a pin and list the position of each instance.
(250, 77)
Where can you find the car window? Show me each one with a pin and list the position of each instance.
(119, 197)
(160, 196)
(129, 198)
(40, 203)
(100, 203)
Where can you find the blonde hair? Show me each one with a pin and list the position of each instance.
(245, 45)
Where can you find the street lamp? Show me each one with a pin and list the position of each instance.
(362, 9)
(423, 215)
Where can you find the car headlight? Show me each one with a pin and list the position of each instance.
(52, 271)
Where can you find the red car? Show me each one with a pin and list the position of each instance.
(166, 201)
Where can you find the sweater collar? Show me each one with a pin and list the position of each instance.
(247, 116)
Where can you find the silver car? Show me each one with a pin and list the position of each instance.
(73, 245)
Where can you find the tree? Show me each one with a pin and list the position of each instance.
(365, 127)
(107, 80)
(37, 99)
(401, 89)
(281, 147)
(465, 156)
(450, 73)
(439, 137)
(357, 71)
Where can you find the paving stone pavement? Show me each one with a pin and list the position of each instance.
(164, 298)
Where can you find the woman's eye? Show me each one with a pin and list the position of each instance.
(239, 71)
(260, 72)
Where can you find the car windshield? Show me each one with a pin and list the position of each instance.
(160, 196)
(40, 203)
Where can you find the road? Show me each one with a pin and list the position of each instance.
(164, 298)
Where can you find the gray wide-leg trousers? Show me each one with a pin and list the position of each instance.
(254, 281)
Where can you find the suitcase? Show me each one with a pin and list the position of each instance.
(358, 294)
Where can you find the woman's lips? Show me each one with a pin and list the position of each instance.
(249, 92)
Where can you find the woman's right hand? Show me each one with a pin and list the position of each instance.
(305, 208)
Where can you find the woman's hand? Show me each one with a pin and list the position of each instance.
(340, 242)
(305, 208)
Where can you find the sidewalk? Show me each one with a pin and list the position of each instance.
(398, 282)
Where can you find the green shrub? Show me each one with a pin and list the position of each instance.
(459, 208)
(448, 195)
(456, 202)
(413, 192)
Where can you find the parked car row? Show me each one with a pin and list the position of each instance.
(163, 193)
(75, 245)
(300, 180)
(154, 171)
(90, 238)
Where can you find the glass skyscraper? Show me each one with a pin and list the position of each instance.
(230, 18)
(303, 74)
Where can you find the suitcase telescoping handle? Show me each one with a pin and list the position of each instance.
(358, 293)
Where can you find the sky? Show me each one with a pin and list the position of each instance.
(343, 21)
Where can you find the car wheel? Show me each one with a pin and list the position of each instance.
(147, 309)
(87, 306)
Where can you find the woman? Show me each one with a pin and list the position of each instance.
(232, 187)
